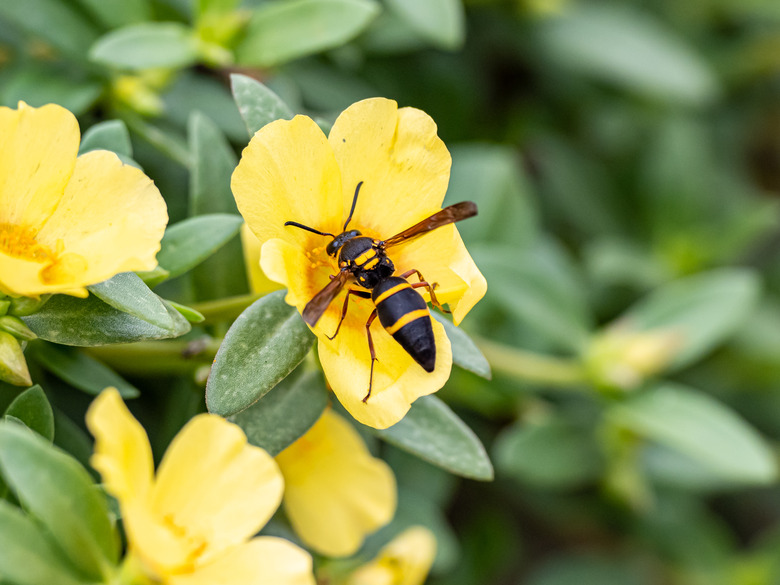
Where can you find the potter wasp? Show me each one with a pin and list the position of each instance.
(402, 311)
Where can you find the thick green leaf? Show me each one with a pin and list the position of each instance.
(54, 21)
(439, 21)
(282, 31)
(701, 428)
(108, 135)
(27, 555)
(147, 45)
(434, 433)
(550, 454)
(192, 315)
(126, 292)
(285, 413)
(651, 59)
(87, 322)
(59, 492)
(703, 310)
(257, 104)
(33, 409)
(260, 349)
(213, 162)
(72, 438)
(189, 242)
(465, 353)
(80, 370)
(215, 6)
(40, 84)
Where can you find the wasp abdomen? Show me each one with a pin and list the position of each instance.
(404, 315)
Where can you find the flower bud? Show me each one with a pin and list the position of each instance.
(16, 327)
(13, 367)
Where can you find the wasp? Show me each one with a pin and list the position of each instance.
(402, 311)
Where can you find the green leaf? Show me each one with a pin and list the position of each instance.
(53, 21)
(696, 425)
(223, 274)
(126, 292)
(87, 322)
(80, 370)
(189, 242)
(40, 84)
(442, 22)
(282, 31)
(257, 104)
(465, 353)
(651, 59)
(431, 431)
(285, 413)
(27, 555)
(60, 494)
(551, 454)
(703, 309)
(260, 349)
(108, 135)
(33, 409)
(147, 45)
(216, 6)
(188, 313)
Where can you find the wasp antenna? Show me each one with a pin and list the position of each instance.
(354, 202)
(308, 229)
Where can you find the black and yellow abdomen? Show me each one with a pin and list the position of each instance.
(404, 315)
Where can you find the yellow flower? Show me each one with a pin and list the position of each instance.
(291, 172)
(335, 491)
(259, 283)
(192, 523)
(68, 222)
(405, 560)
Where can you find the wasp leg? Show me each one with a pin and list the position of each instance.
(361, 294)
(373, 353)
(427, 285)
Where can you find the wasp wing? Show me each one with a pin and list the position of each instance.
(316, 307)
(451, 214)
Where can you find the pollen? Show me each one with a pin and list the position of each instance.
(19, 242)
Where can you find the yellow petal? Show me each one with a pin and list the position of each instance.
(442, 258)
(398, 379)
(259, 283)
(335, 493)
(122, 454)
(37, 155)
(214, 486)
(406, 560)
(288, 173)
(111, 215)
(403, 164)
(264, 560)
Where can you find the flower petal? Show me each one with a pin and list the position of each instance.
(111, 215)
(37, 155)
(398, 379)
(259, 283)
(214, 486)
(403, 164)
(405, 560)
(122, 456)
(335, 493)
(288, 173)
(265, 560)
(442, 258)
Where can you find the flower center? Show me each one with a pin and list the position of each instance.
(195, 544)
(19, 242)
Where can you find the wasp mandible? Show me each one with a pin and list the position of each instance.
(402, 311)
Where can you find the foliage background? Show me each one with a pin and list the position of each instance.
(626, 160)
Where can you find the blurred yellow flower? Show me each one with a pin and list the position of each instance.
(335, 492)
(291, 172)
(406, 560)
(192, 523)
(68, 222)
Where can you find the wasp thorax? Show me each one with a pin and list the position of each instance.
(333, 248)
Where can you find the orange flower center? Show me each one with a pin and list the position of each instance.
(19, 242)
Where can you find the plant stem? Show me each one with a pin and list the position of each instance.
(529, 366)
(225, 309)
(151, 358)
